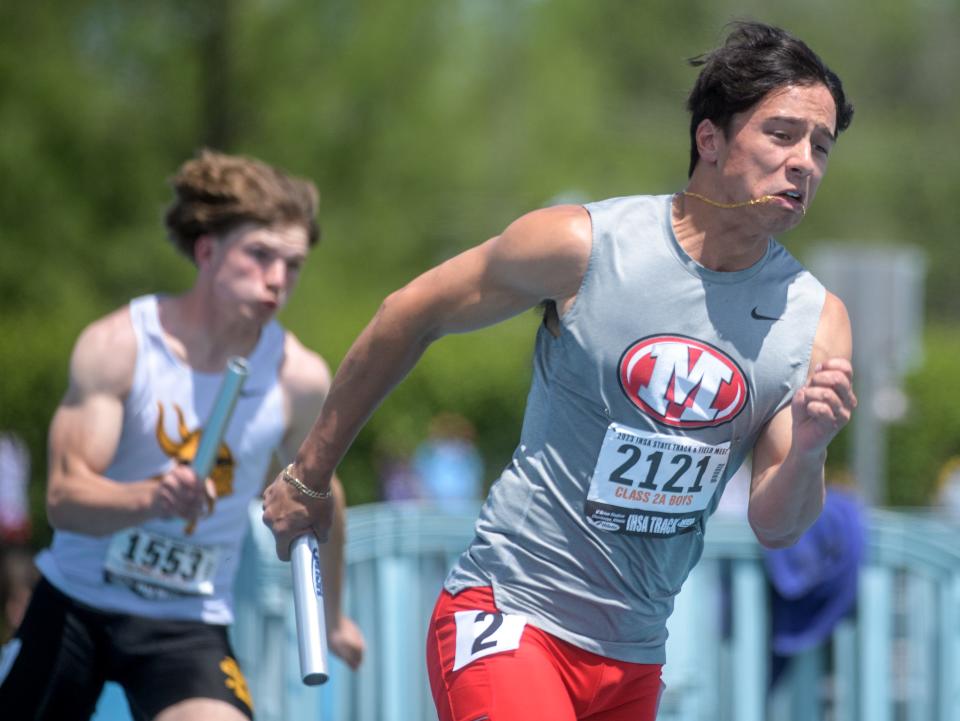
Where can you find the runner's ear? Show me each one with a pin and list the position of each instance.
(709, 138)
(203, 250)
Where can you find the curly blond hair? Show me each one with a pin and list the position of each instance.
(215, 193)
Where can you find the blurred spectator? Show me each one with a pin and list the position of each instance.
(813, 584)
(948, 488)
(14, 504)
(18, 576)
(398, 481)
(448, 464)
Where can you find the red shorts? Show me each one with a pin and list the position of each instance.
(484, 664)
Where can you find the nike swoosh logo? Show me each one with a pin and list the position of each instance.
(754, 314)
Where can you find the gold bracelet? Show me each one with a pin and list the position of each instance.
(288, 476)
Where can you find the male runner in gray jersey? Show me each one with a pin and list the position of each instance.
(679, 337)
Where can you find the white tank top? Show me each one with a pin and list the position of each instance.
(157, 569)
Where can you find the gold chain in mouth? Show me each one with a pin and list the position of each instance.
(741, 204)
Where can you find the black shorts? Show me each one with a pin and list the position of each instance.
(67, 651)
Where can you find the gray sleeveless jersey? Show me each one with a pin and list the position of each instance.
(662, 377)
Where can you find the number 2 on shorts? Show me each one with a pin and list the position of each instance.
(482, 633)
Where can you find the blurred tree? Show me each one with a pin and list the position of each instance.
(428, 125)
(920, 445)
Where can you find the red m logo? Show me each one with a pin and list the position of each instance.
(682, 382)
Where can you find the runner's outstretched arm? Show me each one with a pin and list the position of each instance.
(541, 256)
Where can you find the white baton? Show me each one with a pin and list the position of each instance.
(308, 602)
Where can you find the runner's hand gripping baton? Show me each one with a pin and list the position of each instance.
(308, 603)
(304, 556)
(216, 424)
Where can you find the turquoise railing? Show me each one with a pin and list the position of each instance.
(897, 658)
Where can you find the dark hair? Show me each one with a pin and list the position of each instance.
(755, 60)
(215, 193)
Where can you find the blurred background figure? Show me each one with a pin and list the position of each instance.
(947, 499)
(813, 584)
(397, 479)
(447, 464)
(14, 503)
(18, 576)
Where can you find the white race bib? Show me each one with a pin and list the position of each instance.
(652, 484)
(138, 557)
(483, 633)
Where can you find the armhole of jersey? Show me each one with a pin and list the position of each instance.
(569, 317)
(821, 304)
(141, 310)
(266, 362)
(801, 376)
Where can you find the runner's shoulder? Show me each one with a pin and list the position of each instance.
(564, 229)
(105, 355)
(303, 371)
(546, 250)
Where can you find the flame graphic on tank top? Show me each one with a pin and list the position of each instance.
(185, 450)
